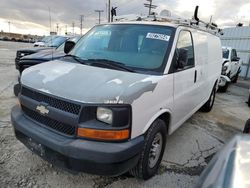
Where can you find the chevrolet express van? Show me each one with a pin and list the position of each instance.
(107, 106)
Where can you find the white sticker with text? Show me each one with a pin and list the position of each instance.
(158, 36)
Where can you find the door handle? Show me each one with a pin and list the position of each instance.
(195, 75)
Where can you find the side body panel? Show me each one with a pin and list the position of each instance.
(152, 104)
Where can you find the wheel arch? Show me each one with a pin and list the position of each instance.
(163, 114)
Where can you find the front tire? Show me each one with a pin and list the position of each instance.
(17, 89)
(207, 107)
(223, 89)
(153, 150)
(235, 79)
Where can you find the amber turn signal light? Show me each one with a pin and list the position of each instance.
(112, 135)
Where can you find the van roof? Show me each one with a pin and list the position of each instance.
(146, 23)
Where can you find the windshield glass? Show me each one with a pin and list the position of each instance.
(225, 53)
(140, 47)
(44, 39)
(56, 41)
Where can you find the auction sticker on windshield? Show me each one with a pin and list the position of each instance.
(158, 36)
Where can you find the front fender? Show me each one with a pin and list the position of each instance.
(225, 78)
(158, 114)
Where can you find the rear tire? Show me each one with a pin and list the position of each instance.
(153, 150)
(207, 107)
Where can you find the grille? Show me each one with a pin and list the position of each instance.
(56, 103)
(48, 122)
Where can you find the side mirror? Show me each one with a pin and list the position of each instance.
(69, 45)
(182, 58)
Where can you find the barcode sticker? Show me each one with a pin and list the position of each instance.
(158, 36)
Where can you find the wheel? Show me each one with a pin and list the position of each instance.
(151, 156)
(247, 127)
(17, 89)
(207, 107)
(223, 88)
(235, 79)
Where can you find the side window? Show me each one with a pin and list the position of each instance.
(184, 52)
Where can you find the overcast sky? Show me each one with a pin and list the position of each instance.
(32, 16)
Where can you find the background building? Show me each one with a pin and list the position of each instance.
(239, 38)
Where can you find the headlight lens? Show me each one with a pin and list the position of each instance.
(224, 68)
(105, 115)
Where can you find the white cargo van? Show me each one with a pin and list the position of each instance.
(108, 106)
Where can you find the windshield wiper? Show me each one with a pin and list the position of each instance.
(110, 63)
(76, 58)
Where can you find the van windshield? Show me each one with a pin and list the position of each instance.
(138, 47)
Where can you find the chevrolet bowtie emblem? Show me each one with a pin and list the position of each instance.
(42, 109)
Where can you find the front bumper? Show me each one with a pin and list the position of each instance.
(100, 158)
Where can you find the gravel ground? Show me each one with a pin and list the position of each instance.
(187, 152)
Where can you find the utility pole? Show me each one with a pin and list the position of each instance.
(57, 28)
(149, 6)
(109, 11)
(49, 22)
(9, 26)
(73, 27)
(81, 20)
(66, 29)
(99, 12)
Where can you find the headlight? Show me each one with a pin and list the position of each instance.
(224, 68)
(104, 114)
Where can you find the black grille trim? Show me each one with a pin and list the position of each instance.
(66, 129)
(52, 101)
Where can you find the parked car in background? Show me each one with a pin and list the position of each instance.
(40, 57)
(43, 55)
(55, 42)
(42, 42)
(231, 68)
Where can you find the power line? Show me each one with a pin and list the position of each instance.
(149, 6)
(99, 12)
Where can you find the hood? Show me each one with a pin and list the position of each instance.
(34, 49)
(88, 84)
(45, 55)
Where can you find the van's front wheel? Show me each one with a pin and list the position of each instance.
(153, 150)
(207, 107)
